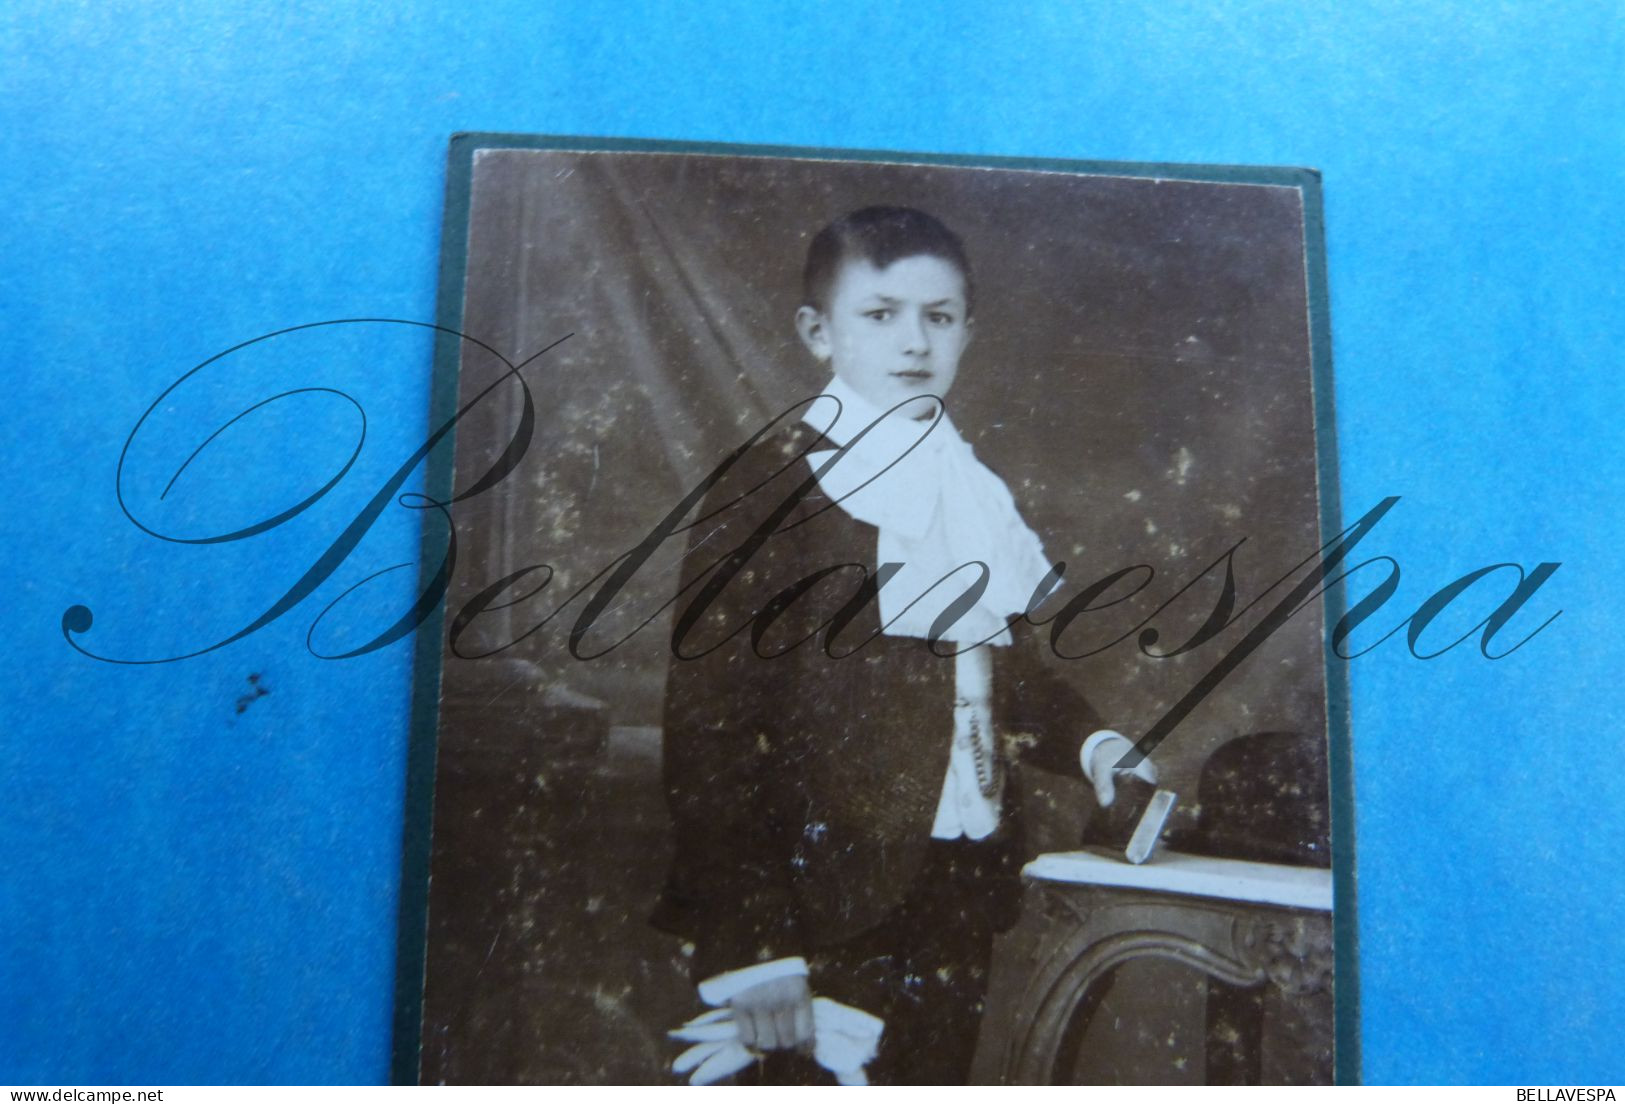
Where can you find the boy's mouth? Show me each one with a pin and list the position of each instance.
(916, 374)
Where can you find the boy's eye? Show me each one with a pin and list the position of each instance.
(941, 318)
(879, 314)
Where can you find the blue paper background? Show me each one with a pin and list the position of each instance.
(194, 891)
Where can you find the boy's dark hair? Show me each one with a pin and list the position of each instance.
(881, 236)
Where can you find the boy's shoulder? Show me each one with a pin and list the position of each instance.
(769, 472)
(782, 452)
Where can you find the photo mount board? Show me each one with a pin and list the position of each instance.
(463, 263)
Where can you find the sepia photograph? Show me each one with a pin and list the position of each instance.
(886, 636)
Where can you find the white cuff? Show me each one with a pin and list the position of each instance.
(722, 988)
(1086, 753)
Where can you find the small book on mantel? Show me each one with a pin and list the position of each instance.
(1132, 824)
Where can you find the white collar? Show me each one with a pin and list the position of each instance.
(936, 507)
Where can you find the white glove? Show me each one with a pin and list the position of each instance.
(844, 1041)
(717, 1051)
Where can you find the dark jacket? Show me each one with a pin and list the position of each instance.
(804, 752)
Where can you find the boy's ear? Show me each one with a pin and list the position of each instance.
(814, 334)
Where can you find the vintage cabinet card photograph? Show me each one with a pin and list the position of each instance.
(886, 630)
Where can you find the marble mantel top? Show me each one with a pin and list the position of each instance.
(1302, 887)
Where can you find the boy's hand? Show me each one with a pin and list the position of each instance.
(1101, 773)
(775, 1015)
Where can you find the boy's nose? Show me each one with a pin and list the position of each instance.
(916, 341)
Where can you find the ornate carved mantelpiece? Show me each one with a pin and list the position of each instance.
(1248, 925)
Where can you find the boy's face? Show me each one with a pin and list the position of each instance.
(892, 333)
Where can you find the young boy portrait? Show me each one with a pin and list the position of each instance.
(768, 697)
(842, 822)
